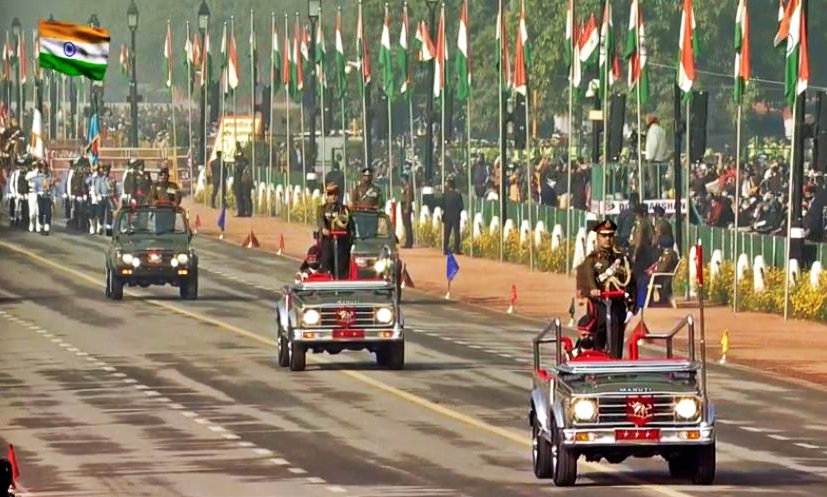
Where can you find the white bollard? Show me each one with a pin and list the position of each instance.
(591, 242)
(579, 248)
(539, 231)
(795, 272)
(759, 269)
(494, 226)
(400, 226)
(693, 270)
(436, 220)
(508, 227)
(424, 216)
(463, 220)
(557, 237)
(525, 232)
(815, 275)
(741, 266)
(478, 224)
(715, 263)
(389, 207)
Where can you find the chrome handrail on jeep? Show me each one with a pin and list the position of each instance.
(557, 327)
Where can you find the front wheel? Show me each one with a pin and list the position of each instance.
(298, 356)
(542, 454)
(114, 285)
(391, 356)
(565, 460)
(188, 288)
(283, 352)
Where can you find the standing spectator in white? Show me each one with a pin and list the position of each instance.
(656, 152)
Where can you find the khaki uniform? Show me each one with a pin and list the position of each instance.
(170, 192)
(366, 196)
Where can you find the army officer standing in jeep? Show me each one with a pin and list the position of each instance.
(366, 195)
(334, 217)
(164, 190)
(607, 269)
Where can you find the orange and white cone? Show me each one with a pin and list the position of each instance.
(511, 307)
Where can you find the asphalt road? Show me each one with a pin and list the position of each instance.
(156, 396)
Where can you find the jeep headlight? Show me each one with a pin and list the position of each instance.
(182, 258)
(380, 265)
(687, 408)
(384, 315)
(311, 317)
(584, 409)
(127, 258)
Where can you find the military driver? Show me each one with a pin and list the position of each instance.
(164, 190)
(606, 269)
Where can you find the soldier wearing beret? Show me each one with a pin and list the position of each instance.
(333, 218)
(366, 194)
(607, 268)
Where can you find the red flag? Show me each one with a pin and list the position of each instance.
(15, 468)
(699, 263)
(513, 294)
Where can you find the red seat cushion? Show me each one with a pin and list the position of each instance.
(592, 355)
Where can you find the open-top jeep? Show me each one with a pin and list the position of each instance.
(151, 245)
(375, 251)
(335, 315)
(597, 407)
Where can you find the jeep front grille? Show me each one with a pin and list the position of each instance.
(611, 410)
(362, 318)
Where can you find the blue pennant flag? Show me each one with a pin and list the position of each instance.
(452, 267)
(222, 218)
(92, 138)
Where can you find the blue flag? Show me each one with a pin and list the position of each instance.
(222, 218)
(92, 138)
(452, 267)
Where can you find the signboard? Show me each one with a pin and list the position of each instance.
(232, 129)
(613, 207)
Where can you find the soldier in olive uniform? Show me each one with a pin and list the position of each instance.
(607, 268)
(164, 190)
(334, 216)
(666, 263)
(406, 204)
(366, 194)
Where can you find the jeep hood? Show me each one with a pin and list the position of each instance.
(173, 242)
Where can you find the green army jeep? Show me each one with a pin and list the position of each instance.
(151, 245)
(375, 247)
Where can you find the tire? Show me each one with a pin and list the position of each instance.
(115, 286)
(703, 467)
(564, 460)
(391, 356)
(541, 452)
(680, 466)
(298, 356)
(283, 352)
(188, 288)
(107, 291)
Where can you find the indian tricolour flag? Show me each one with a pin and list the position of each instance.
(74, 49)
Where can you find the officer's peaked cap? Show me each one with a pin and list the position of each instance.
(367, 171)
(607, 227)
(332, 188)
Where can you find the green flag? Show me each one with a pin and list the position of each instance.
(386, 57)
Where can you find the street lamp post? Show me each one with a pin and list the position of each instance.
(313, 9)
(203, 25)
(18, 93)
(429, 110)
(132, 22)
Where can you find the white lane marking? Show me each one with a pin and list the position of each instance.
(141, 387)
(91, 359)
(65, 345)
(119, 375)
(315, 479)
(478, 347)
(297, 471)
(163, 399)
(263, 452)
(246, 444)
(201, 421)
(129, 380)
(73, 349)
(81, 354)
(279, 461)
(57, 340)
(230, 436)
(807, 446)
(461, 342)
(41, 331)
(189, 414)
(176, 406)
(108, 369)
(34, 327)
(217, 429)
(507, 356)
(336, 489)
(730, 422)
(778, 437)
(751, 428)
(151, 393)
(100, 364)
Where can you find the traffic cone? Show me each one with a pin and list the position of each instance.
(250, 241)
(407, 281)
(281, 244)
(197, 223)
(513, 299)
(15, 467)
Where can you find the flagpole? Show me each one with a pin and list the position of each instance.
(788, 245)
(172, 104)
(502, 190)
(253, 47)
(737, 201)
(205, 83)
(189, 105)
(269, 178)
(529, 173)
(225, 76)
(361, 54)
(301, 114)
(688, 175)
(288, 191)
(321, 79)
(468, 137)
(235, 94)
(570, 139)
(443, 93)
(409, 91)
(605, 104)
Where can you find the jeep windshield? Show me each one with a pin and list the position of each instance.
(151, 222)
(633, 382)
(372, 225)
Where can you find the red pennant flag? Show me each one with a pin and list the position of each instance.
(699, 262)
(15, 467)
(513, 294)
